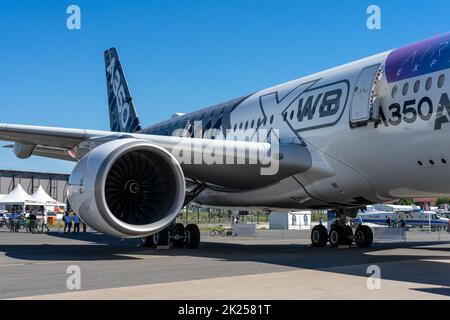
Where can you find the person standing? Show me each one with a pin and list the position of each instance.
(32, 222)
(76, 223)
(388, 221)
(395, 223)
(67, 223)
(44, 222)
(403, 223)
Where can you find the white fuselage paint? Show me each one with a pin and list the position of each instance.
(375, 162)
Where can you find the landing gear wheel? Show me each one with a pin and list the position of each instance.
(319, 236)
(148, 242)
(363, 237)
(179, 238)
(192, 236)
(162, 238)
(337, 236)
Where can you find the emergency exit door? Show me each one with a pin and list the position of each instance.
(362, 95)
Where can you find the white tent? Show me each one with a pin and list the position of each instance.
(42, 196)
(19, 197)
(50, 203)
(2, 207)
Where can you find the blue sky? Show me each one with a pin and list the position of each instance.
(180, 56)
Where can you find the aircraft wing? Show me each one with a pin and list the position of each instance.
(73, 144)
(48, 136)
(40, 140)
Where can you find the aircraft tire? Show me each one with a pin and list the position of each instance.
(148, 242)
(180, 231)
(192, 236)
(162, 237)
(319, 236)
(364, 236)
(337, 236)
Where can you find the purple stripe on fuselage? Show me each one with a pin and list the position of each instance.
(419, 59)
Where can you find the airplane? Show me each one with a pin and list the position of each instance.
(443, 211)
(412, 218)
(370, 131)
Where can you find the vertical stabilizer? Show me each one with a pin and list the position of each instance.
(122, 113)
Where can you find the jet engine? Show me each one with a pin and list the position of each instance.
(127, 188)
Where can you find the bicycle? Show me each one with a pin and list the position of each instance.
(220, 232)
(15, 225)
(217, 232)
(33, 227)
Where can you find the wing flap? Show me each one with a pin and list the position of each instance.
(46, 136)
(49, 152)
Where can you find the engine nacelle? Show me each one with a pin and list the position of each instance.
(127, 188)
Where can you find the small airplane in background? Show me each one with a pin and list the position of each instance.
(444, 211)
(410, 218)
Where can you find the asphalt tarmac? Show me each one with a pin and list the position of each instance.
(273, 265)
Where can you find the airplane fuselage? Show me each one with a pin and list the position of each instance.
(377, 129)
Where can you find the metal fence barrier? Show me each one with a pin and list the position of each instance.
(381, 235)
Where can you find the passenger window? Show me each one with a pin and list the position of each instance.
(405, 89)
(417, 86)
(441, 81)
(428, 84)
(394, 92)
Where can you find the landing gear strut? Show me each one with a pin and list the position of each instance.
(177, 234)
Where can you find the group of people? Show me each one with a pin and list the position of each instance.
(395, 223)
(27, 219)
(34, 221)
(72, 218)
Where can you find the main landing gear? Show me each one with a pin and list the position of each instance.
(341, 235)
(176, 234)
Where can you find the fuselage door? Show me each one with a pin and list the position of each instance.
(363, 95)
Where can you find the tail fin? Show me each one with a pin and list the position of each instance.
(122, 113)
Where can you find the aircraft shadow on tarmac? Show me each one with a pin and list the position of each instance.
(429, 269)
